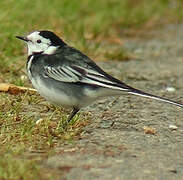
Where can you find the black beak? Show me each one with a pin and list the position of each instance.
(22, 38)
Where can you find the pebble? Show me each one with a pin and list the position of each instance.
(39, 121)
(23, 77)
(170, 89)
(173, 127)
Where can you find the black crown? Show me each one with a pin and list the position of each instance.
(55, 40)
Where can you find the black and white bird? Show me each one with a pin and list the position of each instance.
(66, 77)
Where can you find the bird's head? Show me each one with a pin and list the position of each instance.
(42, 42)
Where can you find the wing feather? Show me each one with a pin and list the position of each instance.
(79, 74)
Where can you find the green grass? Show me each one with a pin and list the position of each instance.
(28, 127)
(86, 24)
(96, 27)
(22, 169)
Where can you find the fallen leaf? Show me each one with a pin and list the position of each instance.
(13, 89)
(4, 87)
(149, 130)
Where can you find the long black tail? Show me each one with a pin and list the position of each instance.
(151, 96)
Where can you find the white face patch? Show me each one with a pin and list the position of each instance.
(39, 44)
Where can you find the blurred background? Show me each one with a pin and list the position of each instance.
(87, 24)
(96, 27)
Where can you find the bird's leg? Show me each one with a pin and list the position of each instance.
(73, 113)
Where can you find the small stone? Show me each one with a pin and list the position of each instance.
(173, 127)
(170, 89)
(23, 77)
(39, 121)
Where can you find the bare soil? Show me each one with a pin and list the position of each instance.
(130, 137)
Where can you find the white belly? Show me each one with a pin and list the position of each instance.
(53, 95)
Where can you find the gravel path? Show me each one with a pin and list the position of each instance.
(146, 139)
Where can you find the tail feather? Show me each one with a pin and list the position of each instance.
(151, 96)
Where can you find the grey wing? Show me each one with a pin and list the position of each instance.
(73, 74)
(63, 74)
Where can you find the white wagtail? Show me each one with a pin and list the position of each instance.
(65, 76)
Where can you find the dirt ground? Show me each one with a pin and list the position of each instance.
(146, 139)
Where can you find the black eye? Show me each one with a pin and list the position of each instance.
(38, 41)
